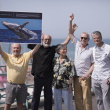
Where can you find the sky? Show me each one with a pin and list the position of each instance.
(89, 15)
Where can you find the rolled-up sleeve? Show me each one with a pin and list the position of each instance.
(75, 42)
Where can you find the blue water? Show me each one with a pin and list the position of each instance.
(9, 36)
(70, 47)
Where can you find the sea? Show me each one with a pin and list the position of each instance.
(6, 47)
(9, 36)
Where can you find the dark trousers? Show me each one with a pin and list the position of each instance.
(38, 84)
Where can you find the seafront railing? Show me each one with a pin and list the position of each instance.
(3, 95)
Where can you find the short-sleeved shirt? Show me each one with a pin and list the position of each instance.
(42, 61)
(101, 62)
(17, 67)
(62, 73)
(83, 59)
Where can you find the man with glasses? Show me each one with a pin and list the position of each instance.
(101, 72)
(42, 70)
(83, 64)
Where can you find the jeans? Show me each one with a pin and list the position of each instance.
(67, 97)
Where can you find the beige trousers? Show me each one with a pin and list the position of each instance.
(82, 93)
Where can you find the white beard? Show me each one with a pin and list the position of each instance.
(46, 45)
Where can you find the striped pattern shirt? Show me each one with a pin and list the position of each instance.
(83, 59)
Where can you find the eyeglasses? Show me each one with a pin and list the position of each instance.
(85, 38)
(47, 39)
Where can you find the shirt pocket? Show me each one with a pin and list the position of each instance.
(105, 57)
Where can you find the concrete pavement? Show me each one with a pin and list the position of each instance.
(94, 105)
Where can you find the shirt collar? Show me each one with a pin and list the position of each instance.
(87, 46)
(102, 47)
(16, 57)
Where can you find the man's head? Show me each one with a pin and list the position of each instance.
(46, 40)
(16, 49)
(84, 38)
(97, 37)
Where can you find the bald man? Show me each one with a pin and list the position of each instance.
(42, 70)
(17, 65)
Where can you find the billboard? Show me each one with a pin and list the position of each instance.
(20, 27)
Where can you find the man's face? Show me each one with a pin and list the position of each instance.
(84, 39)
(46, 41)
(16, 49)
(97, 39)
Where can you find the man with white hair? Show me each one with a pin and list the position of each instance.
(17, 65)
(83, 62)
(42, 70)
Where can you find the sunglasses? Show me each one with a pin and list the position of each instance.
(84, 38)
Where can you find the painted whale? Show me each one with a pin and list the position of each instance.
(19, 30)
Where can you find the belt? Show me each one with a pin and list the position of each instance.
(14, 83)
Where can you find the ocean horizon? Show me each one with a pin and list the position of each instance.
(70, 48)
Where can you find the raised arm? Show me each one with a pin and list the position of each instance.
(35, 49)
(71, 17)
(67, 40)
(71, 29)
(31, 46)
(2, 52)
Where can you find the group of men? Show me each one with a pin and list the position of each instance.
(87, 60)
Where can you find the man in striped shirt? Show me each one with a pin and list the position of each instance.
(83, 64)
(101, 72)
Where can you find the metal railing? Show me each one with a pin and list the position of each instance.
(28, 86)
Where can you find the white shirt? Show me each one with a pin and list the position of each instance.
(102, 63)
(83, 59)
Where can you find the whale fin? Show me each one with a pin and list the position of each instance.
(22, 26)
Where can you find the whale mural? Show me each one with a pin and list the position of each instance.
(20, 31)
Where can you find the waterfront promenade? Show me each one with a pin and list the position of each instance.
(94, 105)
(29, 80)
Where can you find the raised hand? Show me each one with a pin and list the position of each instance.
(74, 27)
(71, 17)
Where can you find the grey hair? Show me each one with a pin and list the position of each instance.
(88, 36)
(97, 33)
(15, 43)
(60, 47)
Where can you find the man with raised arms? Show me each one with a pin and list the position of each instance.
(17, 65)
(43, 72)
(83, 62)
